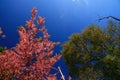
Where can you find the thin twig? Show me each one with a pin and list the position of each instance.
(61, 73)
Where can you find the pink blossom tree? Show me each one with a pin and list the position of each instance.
(32, 58)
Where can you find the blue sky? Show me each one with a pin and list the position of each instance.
(63, 17)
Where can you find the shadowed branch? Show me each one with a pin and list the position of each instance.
(107, 17)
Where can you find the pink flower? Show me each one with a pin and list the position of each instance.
(31, 58)
(30, 24)
(69, 78)
(33, 11)
(40, 20)
(1, 31)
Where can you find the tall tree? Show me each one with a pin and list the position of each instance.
(32, 58)
(111, 62)
(86, 53)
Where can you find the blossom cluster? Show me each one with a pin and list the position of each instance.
(32, 58)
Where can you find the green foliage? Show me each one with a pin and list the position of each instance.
(1, 50)
(110, 67)
(94, 53)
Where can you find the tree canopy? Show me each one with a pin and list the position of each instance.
(94, 53)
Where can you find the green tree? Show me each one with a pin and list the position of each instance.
(86, 53)
(111, 62)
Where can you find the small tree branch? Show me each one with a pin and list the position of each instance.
(61, 73)
(107, 17)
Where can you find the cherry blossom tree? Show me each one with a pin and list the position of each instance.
(32, 58)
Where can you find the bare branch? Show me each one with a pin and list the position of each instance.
(107, 17)
(61, 73)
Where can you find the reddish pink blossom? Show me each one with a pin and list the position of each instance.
(69, 78)
(33, 11)
(1, 31)
(52, 77)
(32, 58)
(30, 24)
(40, 20)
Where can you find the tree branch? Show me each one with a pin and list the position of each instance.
(107, 17)
(61, 73)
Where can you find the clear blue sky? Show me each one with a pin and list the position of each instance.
(63, 17)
